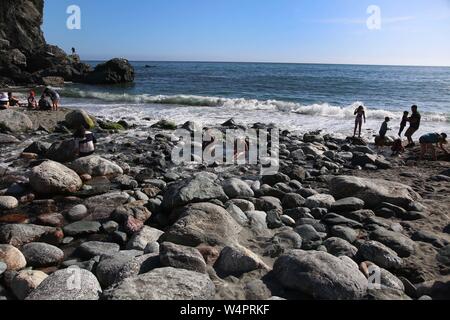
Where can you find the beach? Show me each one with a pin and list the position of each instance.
(130, 216)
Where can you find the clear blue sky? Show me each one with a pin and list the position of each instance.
(413, 32)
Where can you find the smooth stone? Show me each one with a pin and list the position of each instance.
(96, 166)
(319, 201)
(202, 223)
(20, 234)
(177, 256)
(379, 254)
(80, 228)
(40, 255)
(77, 213)
(347, 204)
(8, 203)
(12, 257)
(320, 275)
(91, 249)
(164, 284)
(237, 261)
(54, 178)
(143, 237)
(26, 281)
(236, 188)
(401, 244)
(68, 284)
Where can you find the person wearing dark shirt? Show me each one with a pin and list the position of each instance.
(384, 127)
(54, 96)
(428, 141)
(403, 123)
(13, 101)
(414, 125)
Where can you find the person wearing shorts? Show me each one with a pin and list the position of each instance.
(428, 141)
(414, 125)
(54, 96)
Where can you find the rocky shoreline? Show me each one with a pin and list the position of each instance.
(127, 223)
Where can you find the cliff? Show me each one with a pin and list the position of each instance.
(25, 56)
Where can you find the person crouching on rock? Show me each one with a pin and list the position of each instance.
(32, 102)
(84, 142)
(44, 103)
(4, 101)
(397, 147)
(428, 141)
(54, 96)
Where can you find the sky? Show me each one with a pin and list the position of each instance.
(411, 32)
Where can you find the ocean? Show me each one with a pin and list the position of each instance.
(299, 97)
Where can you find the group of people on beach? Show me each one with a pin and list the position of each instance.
(49, 100)
(427, 141)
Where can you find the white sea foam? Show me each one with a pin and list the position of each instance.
(241, 104)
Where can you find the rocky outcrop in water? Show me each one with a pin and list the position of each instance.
(26, 58)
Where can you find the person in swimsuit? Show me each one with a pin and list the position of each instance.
(428, 141)
(13, 101)
(360, 116)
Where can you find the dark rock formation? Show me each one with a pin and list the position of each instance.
(26, 58)
(111, 72)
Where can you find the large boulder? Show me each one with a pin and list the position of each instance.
(14, 121)
(96, 166)
(79, 118)
(111, 72)
(68, 284)
(54, 178)
(202, 187)
(26, 281)
(373, 191)
(202, 223)
(164, 284)
(320, 275)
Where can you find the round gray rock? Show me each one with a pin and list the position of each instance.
(68, 284)
(40, 255)
(8, 203)
(164, 284)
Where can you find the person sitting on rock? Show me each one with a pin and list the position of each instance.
(32, 102)
(54, 96)
(428, 141)
(84, 142)
(44, 103)
(397, 147)
(380, 140)
(13, 101)
(4, 101)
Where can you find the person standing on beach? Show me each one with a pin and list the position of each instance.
(414, 125)
(360, 115)
(403, 123)
(54, 96)
(428, 141)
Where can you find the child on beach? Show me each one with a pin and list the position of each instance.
(84, 142)
(403, 123)
(32, 102)
(397, 147)
(380, 140)
(360, 115)
(428, 141)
